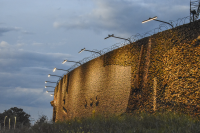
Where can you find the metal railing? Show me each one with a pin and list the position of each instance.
(133, 38)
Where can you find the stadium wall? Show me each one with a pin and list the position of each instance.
(157, 73)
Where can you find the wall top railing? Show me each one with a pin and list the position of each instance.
(162, 27)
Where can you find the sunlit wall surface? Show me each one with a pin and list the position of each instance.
(156, 73)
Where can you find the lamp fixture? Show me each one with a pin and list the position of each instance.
(149, 19)
(81, 50)
(49, 91)
(89, 51)
(49, 82)
(70, 61)
(49, 86)
(155, 18)
(59, 69)
(54, 75)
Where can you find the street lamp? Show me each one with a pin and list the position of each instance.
(49, 91)
(118, 37)
(59, 69)
(4, 122)
(53, 75)
(49, 82)
(70, 61)
(155, 18)
(49, 86)
(88, 50)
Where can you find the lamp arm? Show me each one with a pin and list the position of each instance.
(123, 38)
(93, 51)
(164, 22)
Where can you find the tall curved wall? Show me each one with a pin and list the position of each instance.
(160, 72)
(93, 87)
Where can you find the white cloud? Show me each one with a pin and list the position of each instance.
(123, 16)
(27, 32)
(4, 44)
(20, 44)
(37, 44)
(19, 90)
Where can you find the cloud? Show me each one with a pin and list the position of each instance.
(28, 68)
(111, 16)
(4, 44)
(20, 44)
(18, 29)
(19, 91)
(27, 32)
(37, 44)
(8, 29)
(36, 97)
(122, 16)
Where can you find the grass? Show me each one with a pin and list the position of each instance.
(168, 122)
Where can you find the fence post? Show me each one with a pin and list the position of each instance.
(154, 93)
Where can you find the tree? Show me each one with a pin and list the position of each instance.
(22, 118)
(42, 119)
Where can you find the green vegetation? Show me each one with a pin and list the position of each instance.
(168, 122)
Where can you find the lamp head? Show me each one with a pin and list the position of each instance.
(64, 61)
(54, 69)
(81, 50)
(111, 35)
(45, 86)
(150, 19)
(46, 91)
(45, 82)
(51, 94)
(49, 75)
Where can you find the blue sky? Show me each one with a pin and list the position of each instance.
(37, 35)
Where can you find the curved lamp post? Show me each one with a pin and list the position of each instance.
(49, 91)
(49, 86)
(4, 122)
(70, 61)
(155, 18)
(118, 37)
(88, 51)
(59, 69)
(54, 75)
(49, 82)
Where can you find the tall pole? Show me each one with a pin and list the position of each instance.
(4, 123)
(15, 122)
(9, 123)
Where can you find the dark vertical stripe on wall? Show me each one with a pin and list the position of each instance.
(68, 75)
(138, 69)
(147, 62)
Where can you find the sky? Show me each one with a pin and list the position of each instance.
(37, 35)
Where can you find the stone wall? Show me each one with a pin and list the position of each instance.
(160, 72)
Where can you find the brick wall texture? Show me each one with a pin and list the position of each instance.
(160, 72)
